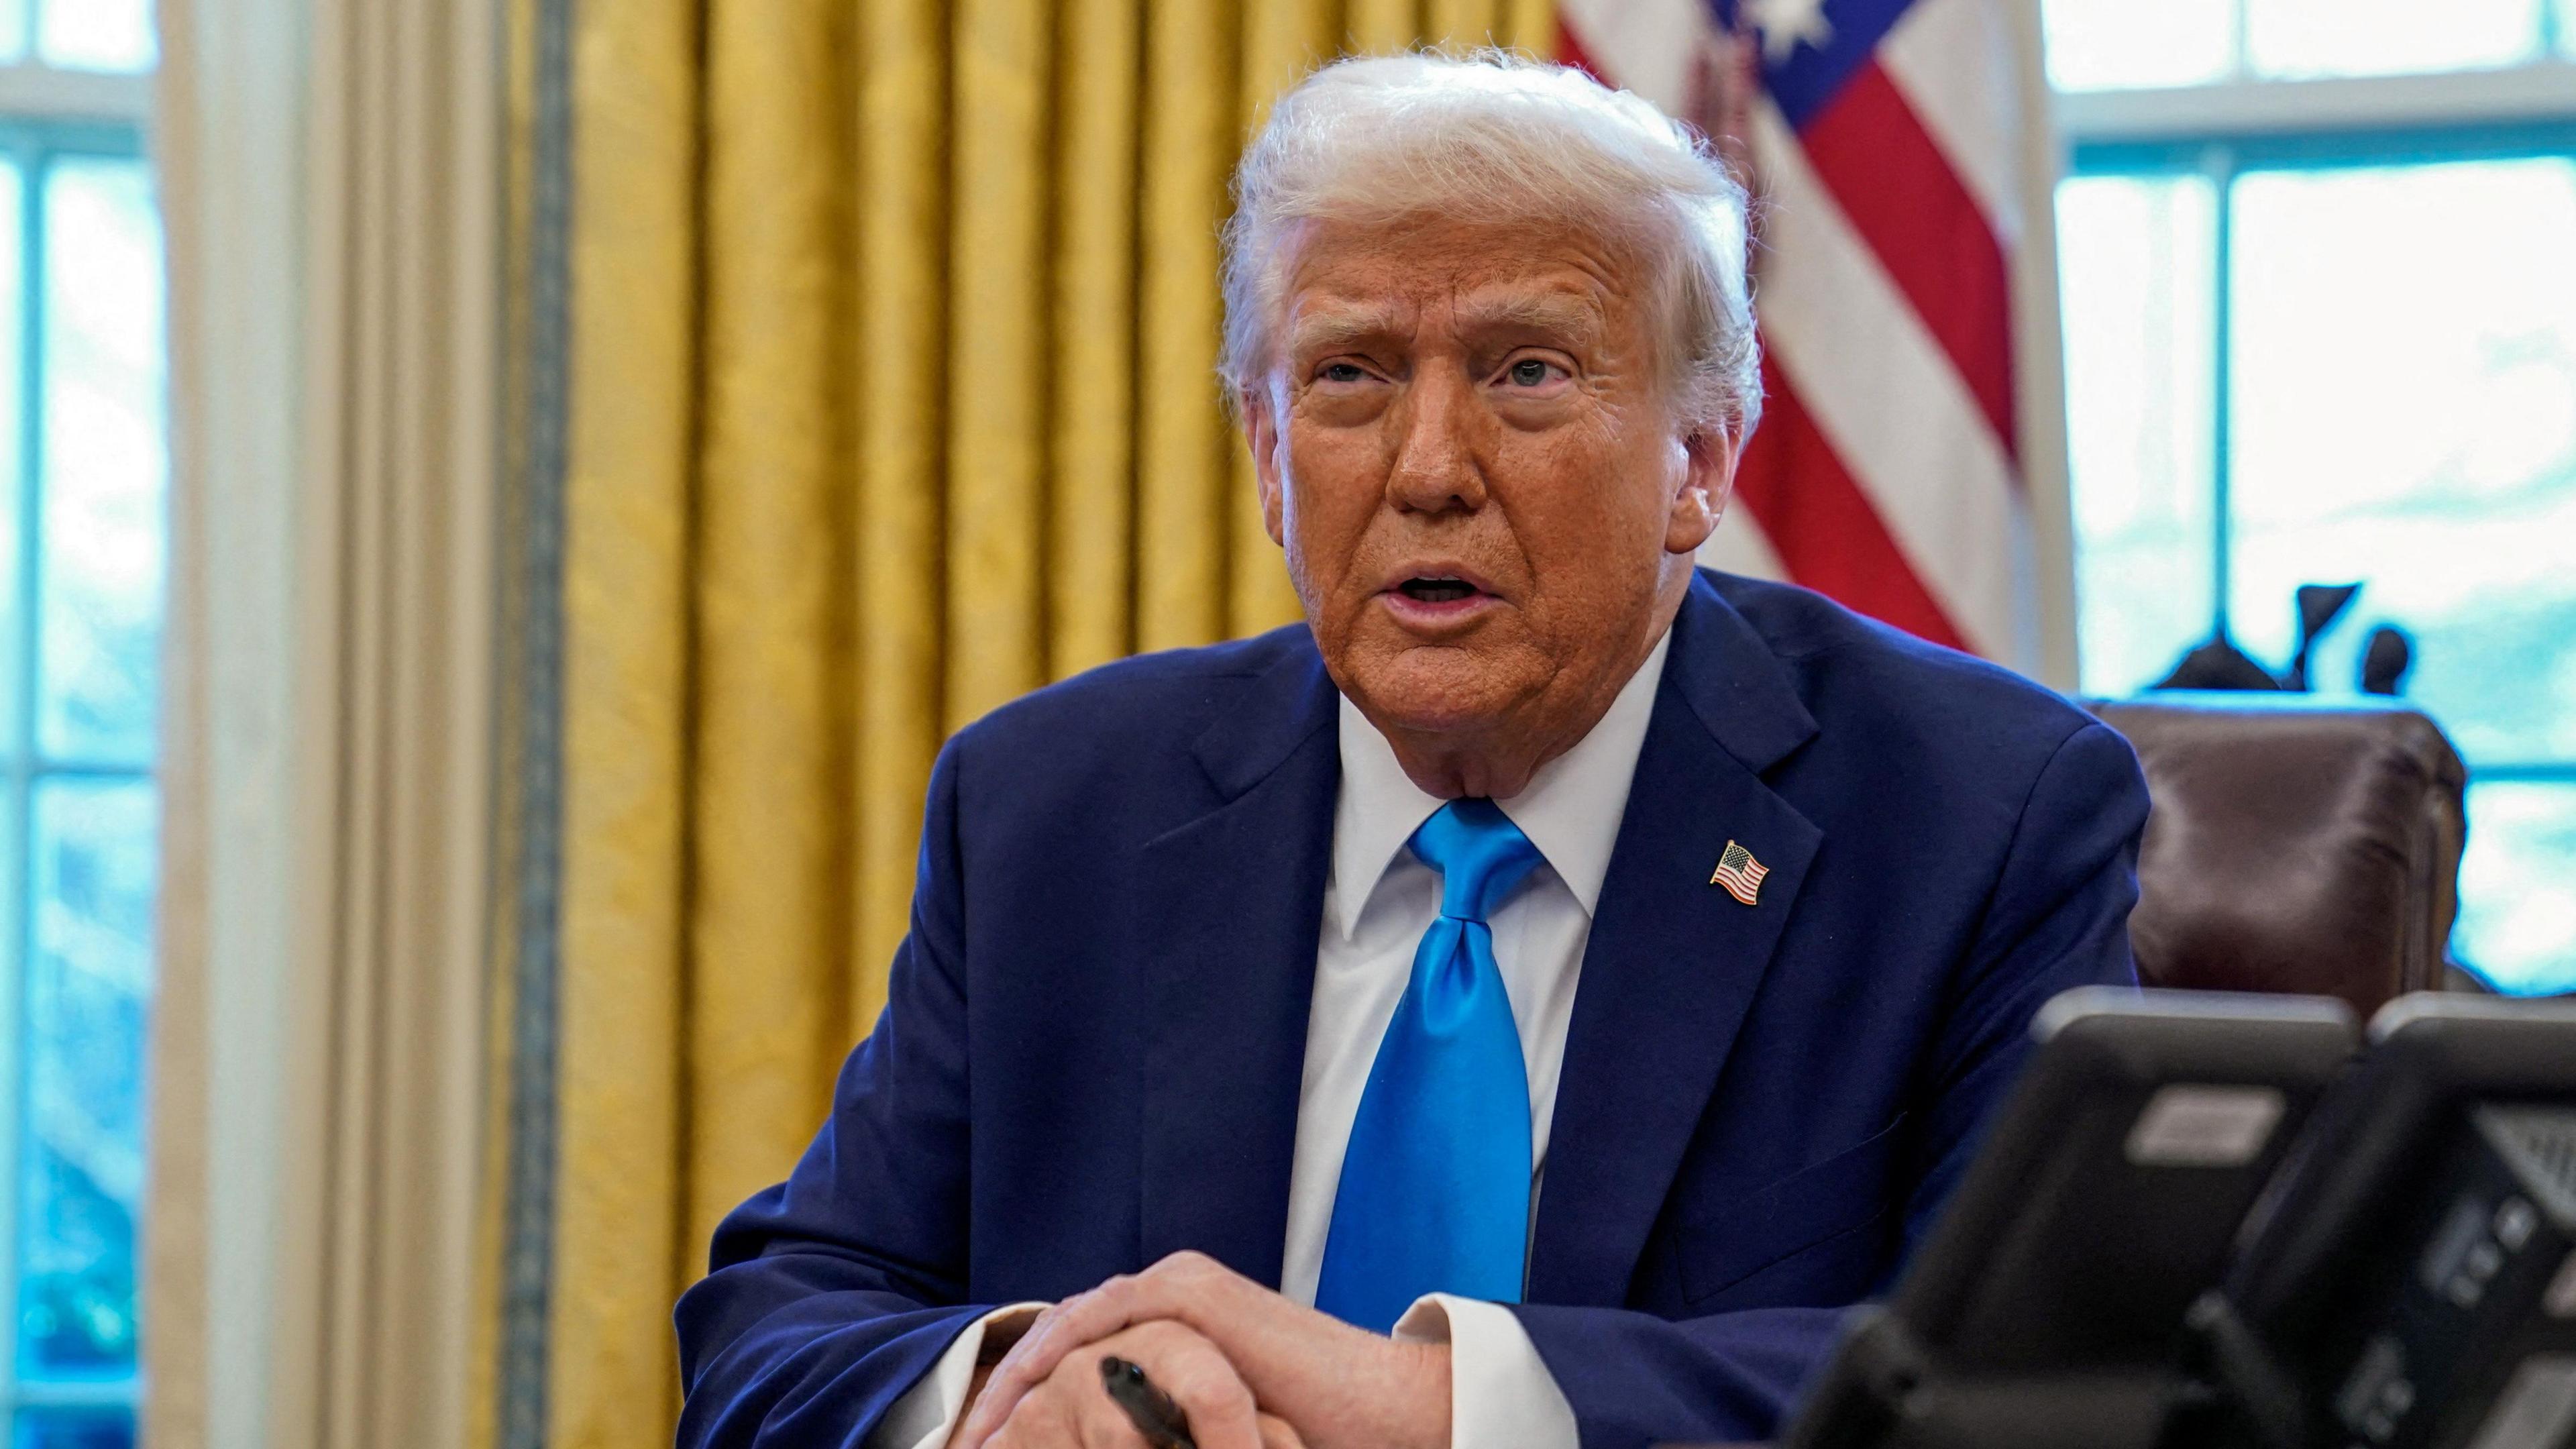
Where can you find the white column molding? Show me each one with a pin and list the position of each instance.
(2039, 361)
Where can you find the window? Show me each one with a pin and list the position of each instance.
(81, 545)
(2319, 278)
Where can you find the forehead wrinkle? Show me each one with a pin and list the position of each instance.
(1330, 322)
(1334, 322)
(1551, 285)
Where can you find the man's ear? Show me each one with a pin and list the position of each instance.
(1261, 435)
(1708, 479)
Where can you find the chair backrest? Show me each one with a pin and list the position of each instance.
(2294, 844)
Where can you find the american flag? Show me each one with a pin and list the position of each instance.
(1905, 290)
(1740, 873)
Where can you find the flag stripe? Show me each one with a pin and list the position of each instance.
(1954, 61)
(1883, 392)
(1740, 547)
(1823, 529)
(1570, 48)
(1642, 45)
(1886, 137)
(1936, 243)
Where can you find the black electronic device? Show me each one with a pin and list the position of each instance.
(2046, 1307)
(2409, 1282)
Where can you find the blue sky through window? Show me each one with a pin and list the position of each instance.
(82, 555)
(102, 35)
(83, 483)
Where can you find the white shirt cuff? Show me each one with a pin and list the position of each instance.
(927, 1412)
(1501, 1395)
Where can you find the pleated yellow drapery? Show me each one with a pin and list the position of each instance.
(893, 328)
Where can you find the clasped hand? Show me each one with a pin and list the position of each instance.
(1251, 1369)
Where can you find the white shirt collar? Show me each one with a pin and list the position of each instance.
(1570, 811)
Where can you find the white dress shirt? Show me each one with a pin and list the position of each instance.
(1378, 901)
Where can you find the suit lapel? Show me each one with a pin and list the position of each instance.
(1229, 909)
(1673, 962)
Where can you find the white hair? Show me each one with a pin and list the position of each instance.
(1494, 136)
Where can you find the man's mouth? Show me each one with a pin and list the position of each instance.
(1438, 602)
(1436, 589)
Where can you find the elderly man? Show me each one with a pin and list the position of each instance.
(1519, 1006)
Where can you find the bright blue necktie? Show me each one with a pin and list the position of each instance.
(1435, 1190)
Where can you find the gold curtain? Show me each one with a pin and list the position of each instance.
(891, 397)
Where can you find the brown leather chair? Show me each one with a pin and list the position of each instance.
(2294, 844)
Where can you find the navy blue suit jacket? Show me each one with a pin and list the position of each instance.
(1093, 1047)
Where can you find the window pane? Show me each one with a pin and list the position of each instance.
(2567, 28)
(96, 34)
(88, 980)
(2136, 257)
(2405, 415)
(105, 464)
(13, 31)
(75, 1429)
(2518, 887)
(2104, 44)
(2385, 37)
(13, 292)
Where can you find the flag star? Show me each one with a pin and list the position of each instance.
(1788, 24)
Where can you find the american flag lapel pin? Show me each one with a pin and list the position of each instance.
(1740, 873)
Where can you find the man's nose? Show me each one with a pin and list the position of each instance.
(1436, 469)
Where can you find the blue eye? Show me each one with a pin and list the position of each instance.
(1343, 372)
(1528, 372)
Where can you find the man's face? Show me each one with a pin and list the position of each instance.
(1467, 448)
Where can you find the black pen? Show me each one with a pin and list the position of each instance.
(1148, 1408)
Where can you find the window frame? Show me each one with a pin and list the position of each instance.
(46, 115)
(2224, 129)
(2241, 107)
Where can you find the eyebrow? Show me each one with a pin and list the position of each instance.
(1555, 316)
(1551, 316)
(1335, 330)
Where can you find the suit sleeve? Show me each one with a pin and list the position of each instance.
(2056, 918)
(831, 1294)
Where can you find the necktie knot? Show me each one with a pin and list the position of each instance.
(1480, 854)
